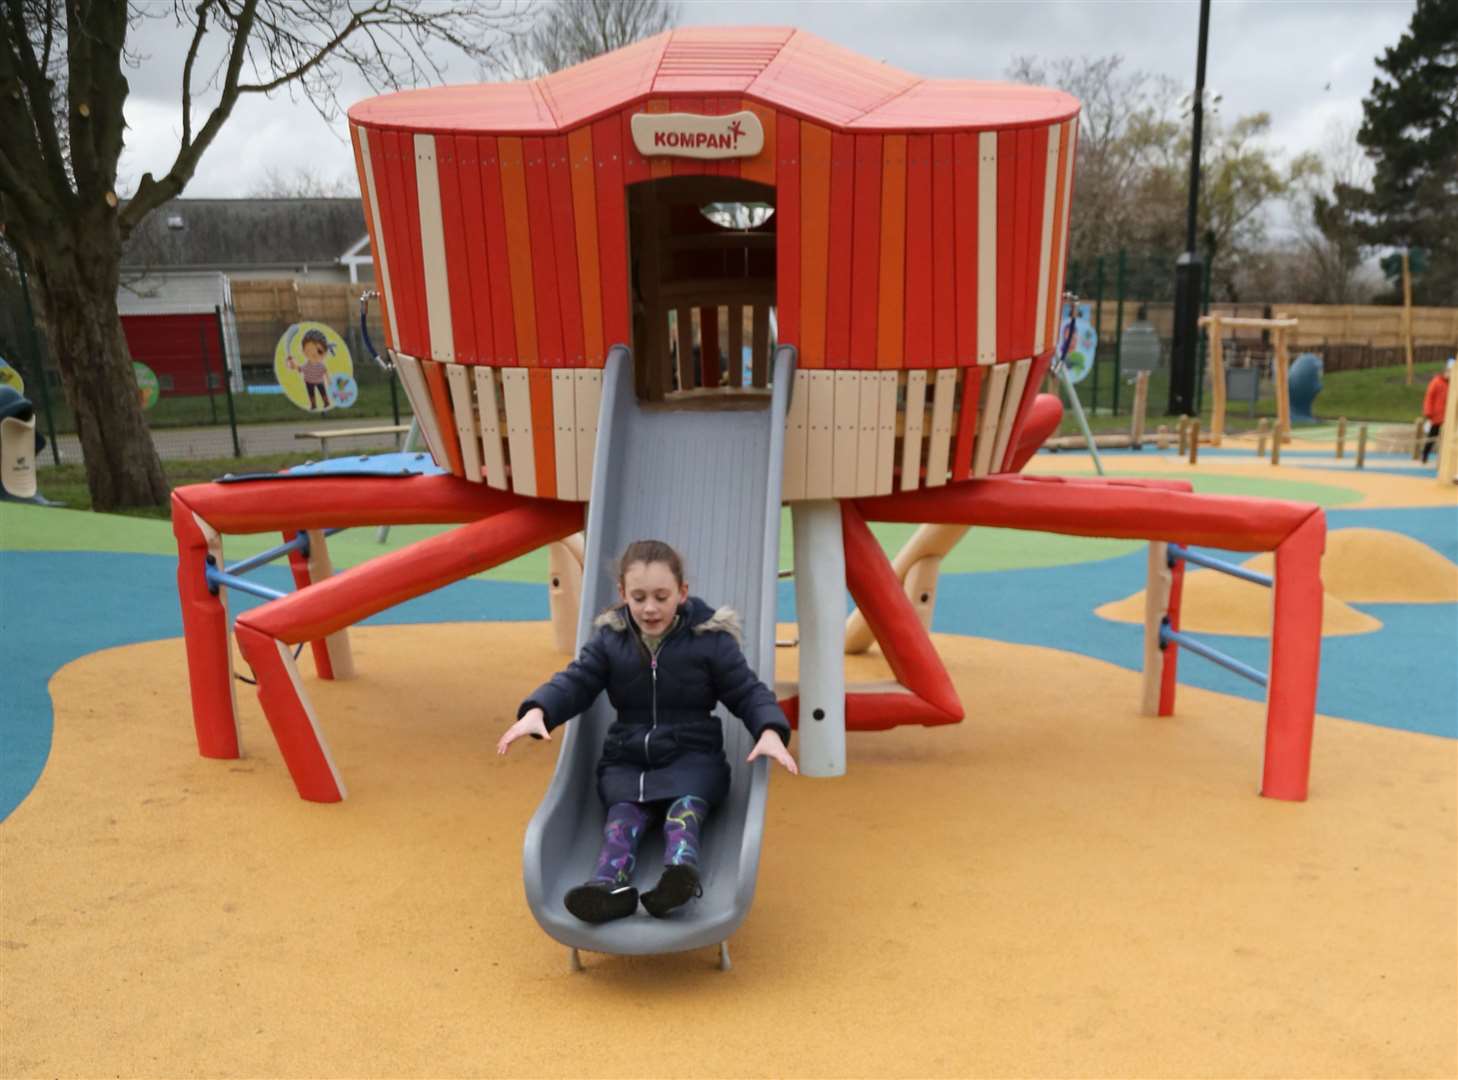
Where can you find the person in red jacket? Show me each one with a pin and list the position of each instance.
(1435, 404)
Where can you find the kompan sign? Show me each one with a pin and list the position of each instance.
(689, 135)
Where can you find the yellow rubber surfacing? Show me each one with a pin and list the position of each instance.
(1056, 887)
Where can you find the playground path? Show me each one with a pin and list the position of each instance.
(1057, 887)
(203, 443)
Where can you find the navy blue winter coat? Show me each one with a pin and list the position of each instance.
(665, 741)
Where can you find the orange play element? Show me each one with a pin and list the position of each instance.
(1374, 566)
(1220, 604)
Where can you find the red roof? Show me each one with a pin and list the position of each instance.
(784, 68)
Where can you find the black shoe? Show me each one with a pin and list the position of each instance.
(597, 902)
(677, 886)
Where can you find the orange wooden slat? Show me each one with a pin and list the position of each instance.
(815, 143)
(440, 396)
(788, 244)
(544, 435)
(841, 250)
(944, 259)
(518, 248)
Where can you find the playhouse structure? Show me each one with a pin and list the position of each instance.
(599, 324)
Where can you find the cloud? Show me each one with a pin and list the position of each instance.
(1263, 57)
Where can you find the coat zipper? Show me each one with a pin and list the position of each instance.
(642, 776)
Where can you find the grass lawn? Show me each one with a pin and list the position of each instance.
(67, 483)
(198, 411)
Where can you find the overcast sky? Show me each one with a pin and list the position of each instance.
(1308, 63)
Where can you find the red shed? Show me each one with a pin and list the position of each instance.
(915, 255)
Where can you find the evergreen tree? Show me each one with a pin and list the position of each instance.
(1410, 131)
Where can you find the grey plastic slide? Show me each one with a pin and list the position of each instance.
(707, 481)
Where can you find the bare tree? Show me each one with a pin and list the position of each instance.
(1129, 119)
(1328, 238)
(301, 183)
(62, 90)
(567, 32)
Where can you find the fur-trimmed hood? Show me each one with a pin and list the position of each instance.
(700, 617)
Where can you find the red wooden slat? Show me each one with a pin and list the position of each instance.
(866, 254)
(1025, 255)
(841, 251)
(787, 226)
(543, 253)
(544, 433)
(635, 166)
(967, 419)
(564, 235)
(612, 230)
(966, 166)
(918, 252)
(1031, 389)
(417, 263)
(503, 324)
(458, 268)
(1007, 142)
(397, 220)
(473, 217)
(944, 257)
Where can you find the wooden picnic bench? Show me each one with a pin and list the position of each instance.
(324, 435)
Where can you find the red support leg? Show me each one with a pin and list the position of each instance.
(205, 635)
(1171, 650)
(289, 714)
(327, 606)
(1295, 661)
(904, 641)
(299, 566)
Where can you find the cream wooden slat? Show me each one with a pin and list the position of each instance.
(464, 408)
(432, 251)
(1060, 247)
(517, 390)
(885, 432)
(564, 432)
(1045, 248)
(587, 391)
(844, 457)
(868, 433)
(820, 437)
(993, 389)
(379, 248)
(1012, 402)
(939, 446)
(911, 440)
(797, 419)
(413, 380)
(987, 247)
(488, 412)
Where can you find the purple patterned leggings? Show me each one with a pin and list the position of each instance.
(624, 828)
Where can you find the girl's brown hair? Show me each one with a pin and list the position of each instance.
(650, 551)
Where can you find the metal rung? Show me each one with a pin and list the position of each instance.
(217, 578)
(788, 644)
(1177, 553)
(1199, 648)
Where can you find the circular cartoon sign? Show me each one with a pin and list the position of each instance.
(312, 366)
(11, 378)
(1081, 352)
(148, 389)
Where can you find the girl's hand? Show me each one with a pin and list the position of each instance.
(771, 745)
(533, 723)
